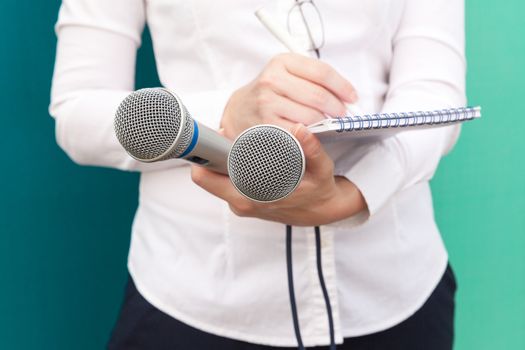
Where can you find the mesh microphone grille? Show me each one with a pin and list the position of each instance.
(148, 123)
(185, 138)
(266, 163)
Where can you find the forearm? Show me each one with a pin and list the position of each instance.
(94, 72)
(427, 72)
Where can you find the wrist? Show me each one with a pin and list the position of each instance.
(349, 199)
(233, 123)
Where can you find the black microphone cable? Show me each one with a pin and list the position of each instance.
(323, 287)
(291, 291)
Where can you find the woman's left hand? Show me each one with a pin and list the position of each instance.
(321, 198)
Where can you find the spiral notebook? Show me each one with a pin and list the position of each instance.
(385, 124)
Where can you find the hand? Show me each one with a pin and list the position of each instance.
(319, 199)
(290, 89)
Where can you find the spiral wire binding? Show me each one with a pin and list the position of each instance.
(402, 120)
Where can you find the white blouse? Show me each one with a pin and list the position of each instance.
(190, 256)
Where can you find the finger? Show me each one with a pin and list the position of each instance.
(322, 74)
(275, 111)
(217, 184)
(283, 123)
(295, 112)
(312, 95)
(318, 163)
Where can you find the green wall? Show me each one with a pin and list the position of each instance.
(479, 189)
(64, 229)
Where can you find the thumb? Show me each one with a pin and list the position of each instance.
(318, 162)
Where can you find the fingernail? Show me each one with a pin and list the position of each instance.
(353, 96)
(298, 131)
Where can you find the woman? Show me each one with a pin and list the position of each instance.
(207, 266)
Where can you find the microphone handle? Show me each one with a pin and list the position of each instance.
(211, 149)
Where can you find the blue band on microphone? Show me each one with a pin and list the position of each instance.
(193, 140)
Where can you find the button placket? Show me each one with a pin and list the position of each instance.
(319, 317)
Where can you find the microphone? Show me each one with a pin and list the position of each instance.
(265, 163)
(153, 125)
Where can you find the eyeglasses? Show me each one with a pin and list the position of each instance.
(304, 20)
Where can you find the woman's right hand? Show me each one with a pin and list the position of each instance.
(291, 89)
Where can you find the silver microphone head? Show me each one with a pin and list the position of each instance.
(266, 163)
(153, 125)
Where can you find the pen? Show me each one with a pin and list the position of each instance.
(287, 40)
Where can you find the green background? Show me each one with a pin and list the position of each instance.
(64, 229)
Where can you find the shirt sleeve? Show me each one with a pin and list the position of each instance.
(95, 71)
(427, 72)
